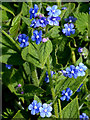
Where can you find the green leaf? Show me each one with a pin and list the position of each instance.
(37, 98)
(78, 61)
(53, 32)
(24, 9)
(71, 83)
(27, 20)
(15, 26)
(11, 57)
(37, 54)
(81, 22)
(71, 110)
(21, 114)
(70, 8)
(8, 41)
(6, 9)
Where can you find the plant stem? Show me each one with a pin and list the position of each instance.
(34, 75)
(52, 88)
(60, 111)
(73, 57)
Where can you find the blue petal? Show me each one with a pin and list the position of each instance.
(63, 98)
(49, 108)
(70, 75)
(57, 13)
(72, 31)
(67, 98)
(30, 10)
(40, 32)
(63, 92)
(64, 31)
(30, 107)
(33, 112)
(42, 114)
(68, 89)
(84, 67)
(48, 114)
(48, 8)
(22, 45)
(54, 7)
(66, 26)
(68, 33)
(56, 23)
(50, 22)
(82, 73)
(33, 38)
(71, 25)
(68, 69)
(35, 32)
(45, 105)
(50, 13)
(20, 40)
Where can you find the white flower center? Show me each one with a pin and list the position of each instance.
(33, 11)
(54, 19)
(35, 107)
(81, 69)
(53, 10)
(70, 20)
(66, 94)
(72, 71)
(42, 21)
(23, 40)
(45, 110)
(37, 36)
(68, 29)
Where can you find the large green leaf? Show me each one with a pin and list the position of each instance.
(26, 20)
(71, 110)
(81, 22)
(37, 54)
(6, 9)
(71, 83)
(11, 57)
(53, 32)
(15, 26)
(8, 41)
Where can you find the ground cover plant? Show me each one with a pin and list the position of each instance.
(45, 60)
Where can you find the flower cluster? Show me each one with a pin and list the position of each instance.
(45, 109)
(73, 71)
(47, 77)
(23, 39)
(84, 117)
(69, 27)
(66, 94)
(53, 13)
(83, 51)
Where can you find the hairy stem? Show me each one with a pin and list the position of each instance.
(52, 89)
(60, 111)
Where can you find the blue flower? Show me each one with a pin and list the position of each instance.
(34, 23)
(80, 50)
(53, 21)
(34, 107)
(70, 19)
(66, 94)
(79, 88)
(53, 11)
(8, 66)
(42, 22)
(84, 117)
(64, 73)
(72, 71)
(68, 30)
(64, 8)
(33, 11)
(81, 69)
(37, 36)
(47, 77)
(45, 110)
(23, 39)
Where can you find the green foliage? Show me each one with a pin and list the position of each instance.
(37, 54)
(82, 22)
(71, 110)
